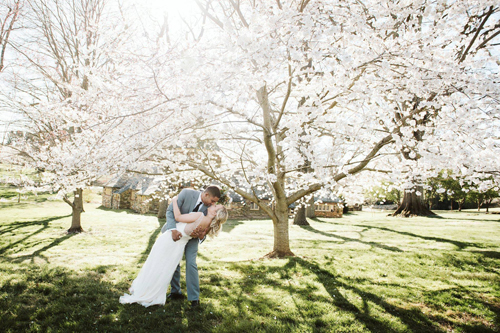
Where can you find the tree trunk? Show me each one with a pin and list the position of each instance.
(300, 217)
(310, 210)
(281, 236)
(162, 209)
(488, 202)
(479, 202)
(451, 204)
(460, 204)
(412, 205)
(77, 207)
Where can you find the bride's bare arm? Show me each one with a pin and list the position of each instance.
(186, 218)
(198, 231)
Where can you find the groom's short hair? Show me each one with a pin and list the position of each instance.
(213, 190)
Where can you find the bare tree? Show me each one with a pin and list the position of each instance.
(9, 14)
(61, 49)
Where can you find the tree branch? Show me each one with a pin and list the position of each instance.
(226, 182)
(66, 200)
(210, 16)
(4, 34)
(288, 91)
(240, 14)
(487, 16)
(361, 165)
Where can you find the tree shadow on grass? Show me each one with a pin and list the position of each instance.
(348, 239)
(39, 253)
(413, 318)
(462, 297)
(466, 219)
(17, 225)
(255, 278)
(459, 244)
(9, 227)
(354, 301)
(40, 298)
(14, 204)
(248, 312)
(489, 254)
(479, 261)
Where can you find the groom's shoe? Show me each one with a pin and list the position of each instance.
(175, 296)
(195, 304)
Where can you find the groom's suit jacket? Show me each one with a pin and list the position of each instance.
(186, 200)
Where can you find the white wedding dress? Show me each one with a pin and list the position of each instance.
(150, 286)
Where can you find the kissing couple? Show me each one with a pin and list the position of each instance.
(191, 216)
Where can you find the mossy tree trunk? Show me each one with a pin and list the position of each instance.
(412, 205)
(300, 218)
(310, 211)
(305, 212)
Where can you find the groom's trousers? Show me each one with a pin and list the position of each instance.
(192, 280)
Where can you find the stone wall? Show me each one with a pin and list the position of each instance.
(115, 201)
(129, 200)
(328, 210)
(240, 210)
(107, 194)
(125, 199)
(143, 204)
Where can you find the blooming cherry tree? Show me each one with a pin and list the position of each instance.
(296, 97)
(69, 87)
(280, 99)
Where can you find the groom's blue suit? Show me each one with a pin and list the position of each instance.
(186, 200)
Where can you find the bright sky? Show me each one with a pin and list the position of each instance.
(174, 8)
(152, 14)
(182, 6)
(148, 10)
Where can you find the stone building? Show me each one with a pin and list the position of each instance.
(134, 192)
(328, 207)
(241, 208)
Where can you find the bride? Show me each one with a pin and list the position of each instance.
(150, 286)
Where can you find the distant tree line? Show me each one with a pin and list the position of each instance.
(445, 191)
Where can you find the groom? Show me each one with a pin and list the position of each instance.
(189, 201)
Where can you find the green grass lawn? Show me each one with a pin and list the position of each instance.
(362, 273)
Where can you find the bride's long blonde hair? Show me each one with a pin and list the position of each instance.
(217, 222)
